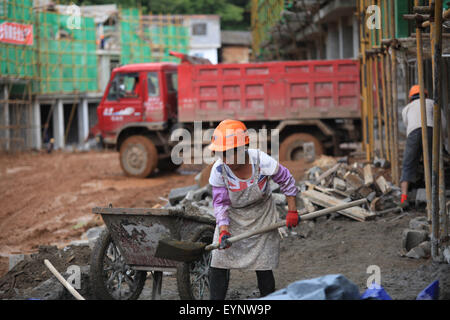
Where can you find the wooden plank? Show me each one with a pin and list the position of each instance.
(368, 176)
(383, 185)
(324, 200)
(327, 173)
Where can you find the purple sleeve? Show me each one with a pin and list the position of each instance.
(221, 203)
(286, 181)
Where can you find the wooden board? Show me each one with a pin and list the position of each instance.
(383, 185)
(368, 176)
(324, 200)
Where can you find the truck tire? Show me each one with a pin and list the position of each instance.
(138, 156)
(291, 149)
(107, 261)
(193, 277)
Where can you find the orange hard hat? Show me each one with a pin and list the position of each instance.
(416, 90)
(229, 134)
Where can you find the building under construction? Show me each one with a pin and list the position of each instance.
(56, 61)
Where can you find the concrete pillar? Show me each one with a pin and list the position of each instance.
(5, 133)
(36, 133)
(332, 41)
(58, 124)
(341, 37)
(355, 37)
(83, 121)
(104, 70)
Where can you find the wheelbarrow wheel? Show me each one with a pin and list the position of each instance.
(192, 277)
(111, 278)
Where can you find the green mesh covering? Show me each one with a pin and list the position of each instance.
(151, 38)
(17, 61)
(67, 57)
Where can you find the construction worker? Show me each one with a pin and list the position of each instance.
(242, 201)
(413, 151)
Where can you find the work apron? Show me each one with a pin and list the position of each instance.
(250, 209)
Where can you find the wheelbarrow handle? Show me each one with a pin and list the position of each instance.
(280, 224)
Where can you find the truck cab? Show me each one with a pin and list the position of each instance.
(139, 104)
(138, 95)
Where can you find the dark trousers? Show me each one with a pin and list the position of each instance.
(219, 279)
(413, 152)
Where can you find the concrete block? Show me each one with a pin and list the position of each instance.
(412, 238)
(447, 255)
(416, 253)
(178, 194)
(426, 246)
(14, 259)
(339, 184)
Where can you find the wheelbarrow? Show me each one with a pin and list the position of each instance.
(124, 253)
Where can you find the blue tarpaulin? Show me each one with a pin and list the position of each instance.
(329, 287)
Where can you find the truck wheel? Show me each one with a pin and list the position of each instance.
(291, 149)
(138, 156)
(110, 276)
(193, 277)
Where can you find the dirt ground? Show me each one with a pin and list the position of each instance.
(47, 199)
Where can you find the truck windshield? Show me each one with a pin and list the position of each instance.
(125, 85)
(153, 84)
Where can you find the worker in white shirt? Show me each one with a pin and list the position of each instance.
(413, 151)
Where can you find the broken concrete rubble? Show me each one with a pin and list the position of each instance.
(413, 238)
(342, 181)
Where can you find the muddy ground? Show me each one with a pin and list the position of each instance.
(47, 199)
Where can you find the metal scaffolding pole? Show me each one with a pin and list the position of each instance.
(436, 193)
(426, 158)
(394, 162)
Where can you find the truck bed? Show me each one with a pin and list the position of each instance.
(322, 89)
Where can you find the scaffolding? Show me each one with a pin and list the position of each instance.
(17, 72)
(66, 54)
(58, 64)
(383, 53)
(151, 38)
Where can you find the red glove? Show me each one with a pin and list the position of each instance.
(292, 219)
(223, 236)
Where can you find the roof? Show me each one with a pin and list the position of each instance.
(236, 38)
(100, 13)
(135, 67)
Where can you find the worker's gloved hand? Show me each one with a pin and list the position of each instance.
(223, 240)
(292, 219)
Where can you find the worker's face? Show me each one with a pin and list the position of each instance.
(233, 157)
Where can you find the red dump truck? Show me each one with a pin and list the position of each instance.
(307, 101)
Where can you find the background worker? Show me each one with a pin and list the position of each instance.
(243, 201)
(413, 151)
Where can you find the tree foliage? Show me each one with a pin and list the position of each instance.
(234, 14)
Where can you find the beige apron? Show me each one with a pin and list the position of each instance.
(250, 209)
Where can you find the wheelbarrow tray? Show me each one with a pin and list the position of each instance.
(137, 231)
